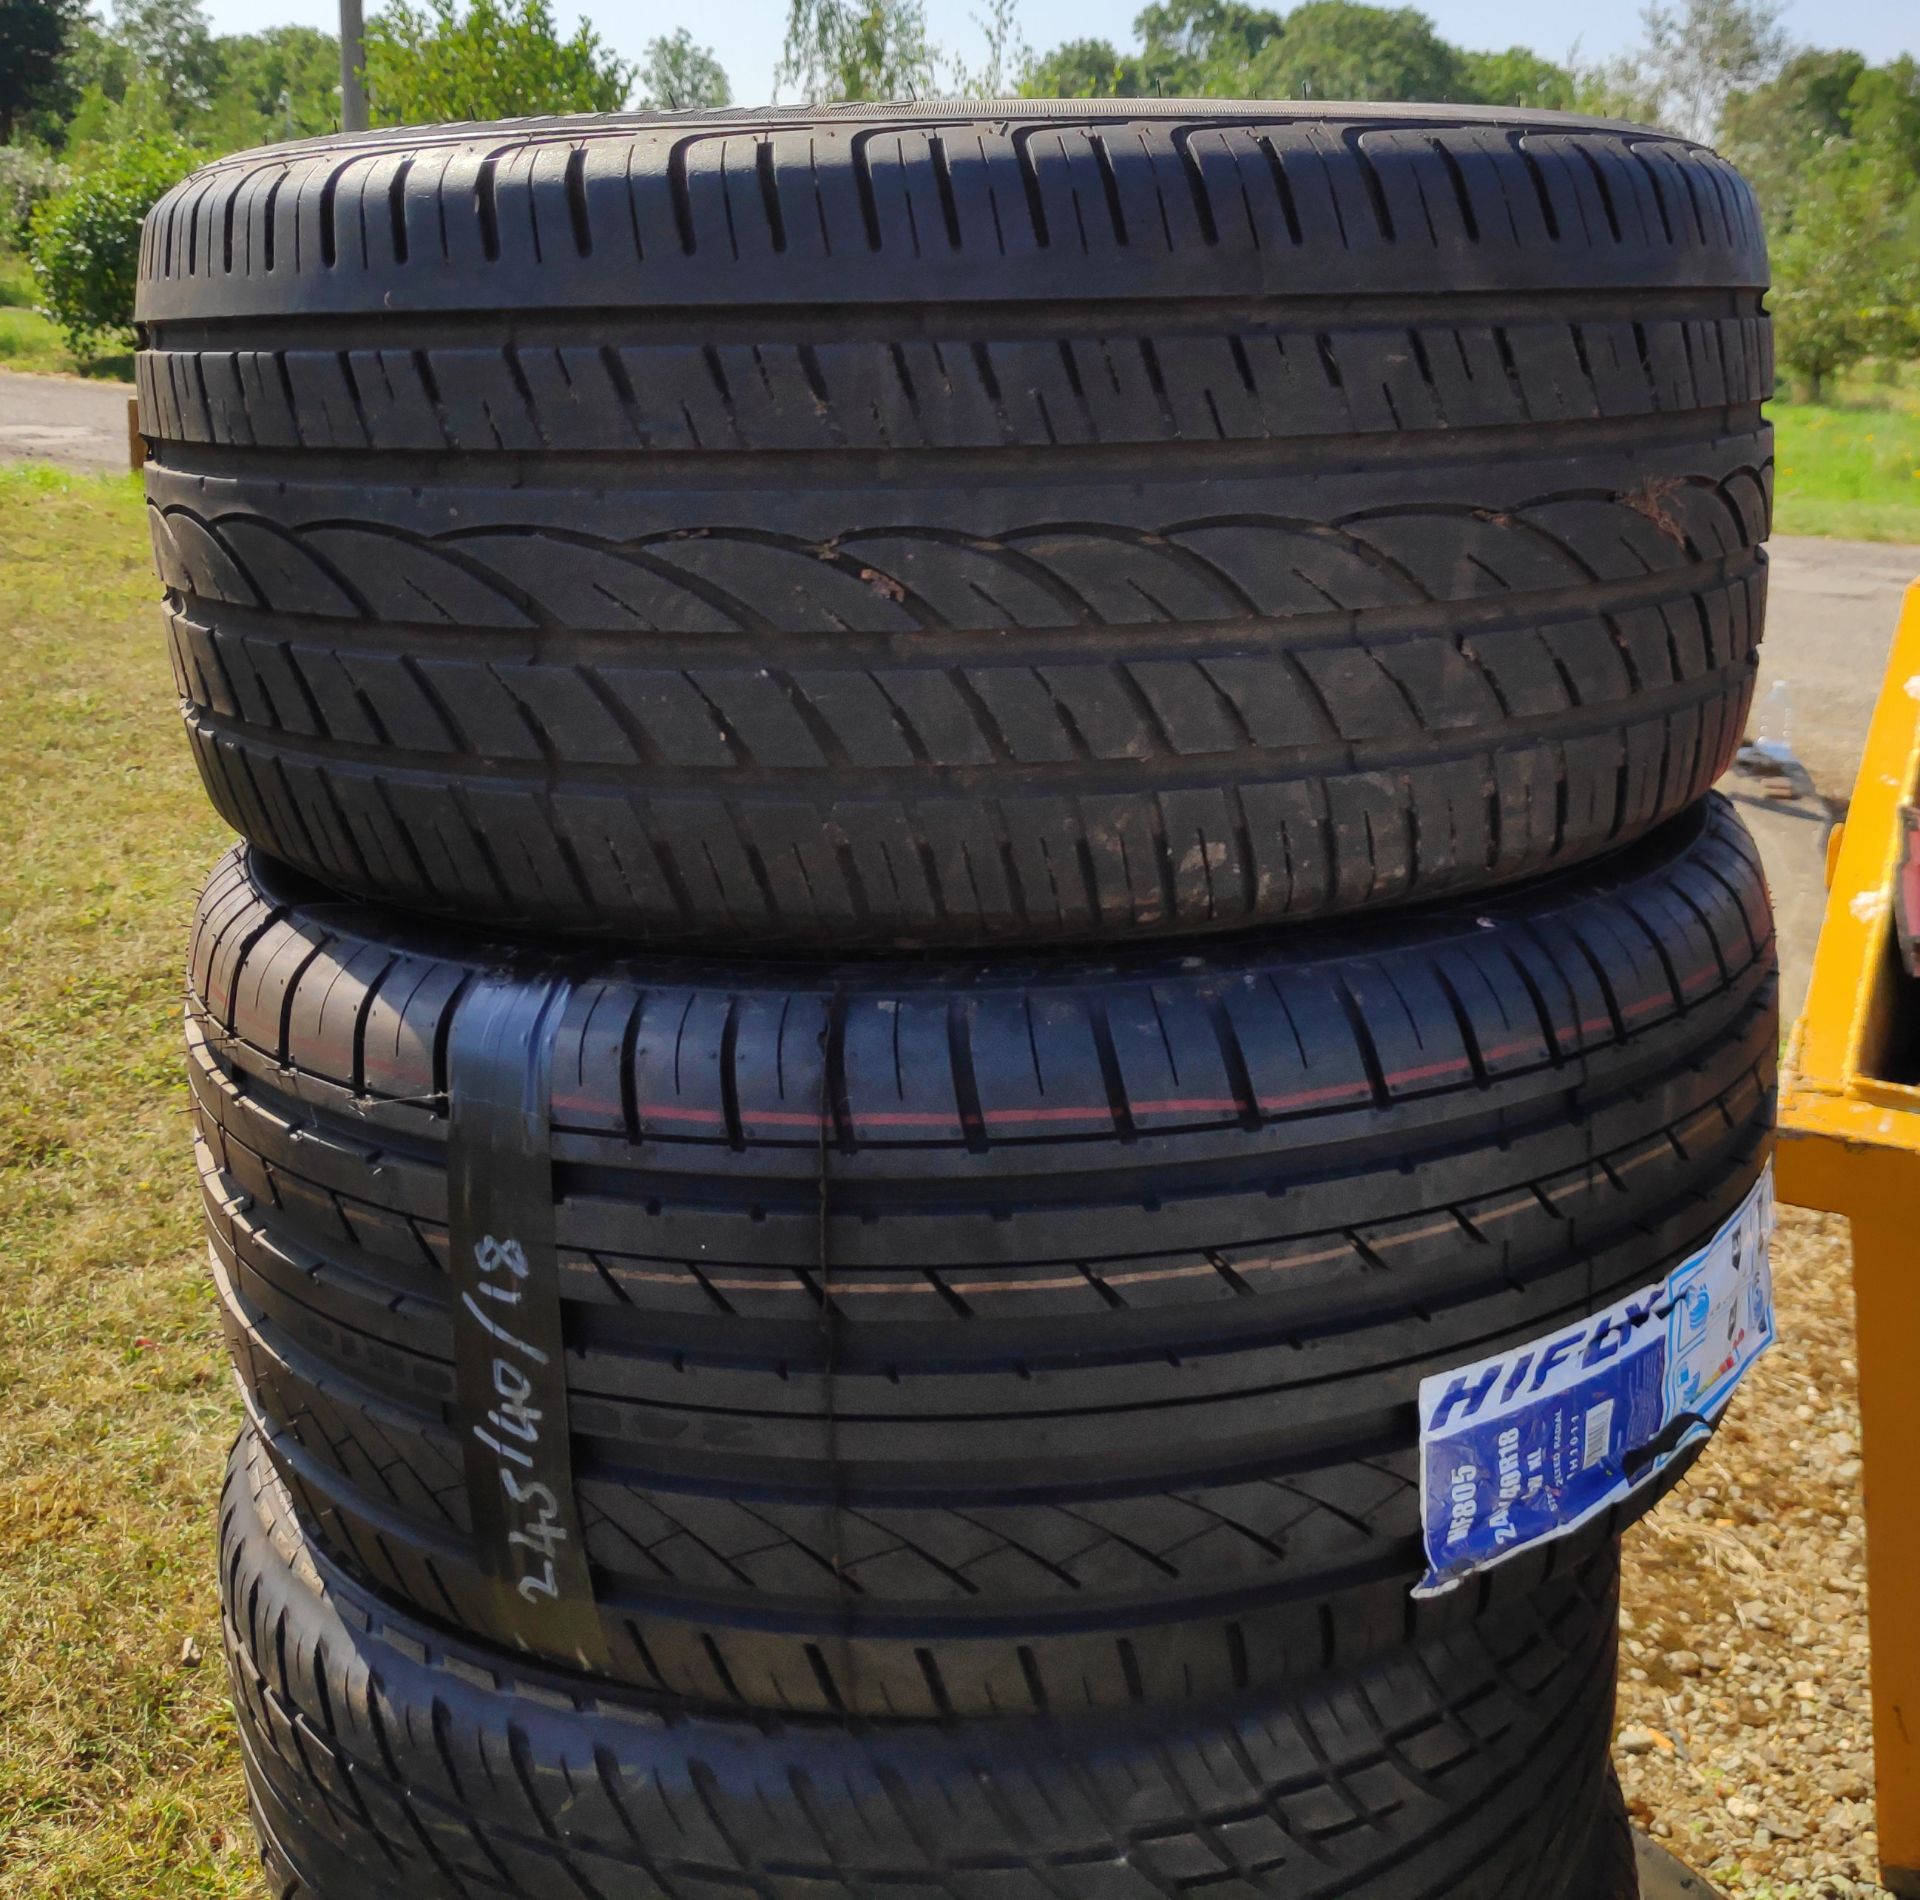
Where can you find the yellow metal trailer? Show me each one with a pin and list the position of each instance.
(1850, 1144)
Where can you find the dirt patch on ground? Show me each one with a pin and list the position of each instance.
(1745, 1739)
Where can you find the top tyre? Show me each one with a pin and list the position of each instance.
(955, 525)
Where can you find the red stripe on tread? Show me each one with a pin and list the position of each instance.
(1511, 1049)
(1427, 1070)
(1190, 1105)
(1352, 1091)
(904, 1118)
(1198, 1105)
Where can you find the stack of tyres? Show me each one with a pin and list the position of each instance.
(963, 829)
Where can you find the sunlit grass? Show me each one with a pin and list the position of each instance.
(28, 341)
(1849, 471)
(1850, 466)
(117, 1771)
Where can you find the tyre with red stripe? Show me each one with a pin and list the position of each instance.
(976, 1337)
(897, 527)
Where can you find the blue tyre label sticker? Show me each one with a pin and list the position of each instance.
(1525, 1447)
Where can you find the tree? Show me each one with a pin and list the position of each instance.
(1084, 69)
(1883, 112)
(856, 49)
(283, 83)
(1325, 49)
(1846, 274)
(171, 44)
(1774, 131)
(1695, 56)
(97, 63)
(29, 176)
(1333, 49)
(85, 247)
(1518, 77)
(34, 37)
(1832, 146)
(430, 64)
(146, 113)
(1202, 48)
(1009, 58)
(677, 75)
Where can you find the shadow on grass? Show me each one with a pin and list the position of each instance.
(117, 368)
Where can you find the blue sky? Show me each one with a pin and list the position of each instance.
(746, 33)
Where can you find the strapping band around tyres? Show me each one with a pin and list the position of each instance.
(509, 1343)
(1012, 1335)
(939, 532)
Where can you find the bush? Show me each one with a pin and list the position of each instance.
(28, 178)
(430, 64)
(85, 241)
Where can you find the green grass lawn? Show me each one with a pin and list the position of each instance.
(29, 342)
(118, 1779)
(1849, 471)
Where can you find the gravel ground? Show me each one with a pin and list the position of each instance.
(1745, 1739)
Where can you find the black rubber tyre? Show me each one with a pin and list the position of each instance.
(1611, 1870)
(1071, 1358)
(904, 527)
(390, 1761)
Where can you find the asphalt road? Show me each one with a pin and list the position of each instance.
(1831, 607)
(62, 419)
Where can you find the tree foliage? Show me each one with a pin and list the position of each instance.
(1334, 49)
(1008, 58)
(1323, 49)
(171, 44)
(154, 64)
(1210, 45)
(1833, 148)
(29, 176)
(857, 49)
(86, 240)
(1846, 272)
(677, 75)
(431, 63)
(1518, 77)
(1694, 56)
(280, 84)
(157, 66)
(34, 40)
(1082, 69)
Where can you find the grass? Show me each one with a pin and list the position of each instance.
(28, 341)
(117, 1768)
(1848, 470)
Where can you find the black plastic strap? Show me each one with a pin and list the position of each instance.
(510, 1395)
